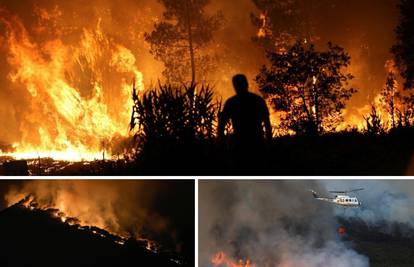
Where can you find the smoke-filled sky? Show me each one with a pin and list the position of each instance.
(278, 223)
(159, 210)
(382, 200)
(57, 31)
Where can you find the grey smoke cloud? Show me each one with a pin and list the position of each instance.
(271, 223)
(382, 200)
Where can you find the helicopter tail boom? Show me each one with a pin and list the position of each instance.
(315, 195)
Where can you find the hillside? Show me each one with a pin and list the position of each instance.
(383, 243)
(35, 237)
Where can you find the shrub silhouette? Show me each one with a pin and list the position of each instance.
(374, 124)
(173, 112)
(174, 124)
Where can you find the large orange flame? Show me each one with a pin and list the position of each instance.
(68, 119)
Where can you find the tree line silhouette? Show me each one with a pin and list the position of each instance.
(176, 123)
(307, 86)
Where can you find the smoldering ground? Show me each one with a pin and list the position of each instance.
(271, 223)
(161, 210)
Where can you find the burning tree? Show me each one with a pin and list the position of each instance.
(404, 59)
(405, 114)
(389, 96)
(307, 87)
(374, 125)
(178, 40)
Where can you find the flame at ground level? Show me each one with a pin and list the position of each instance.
(62, 213)
(221, 259)
(71, 154)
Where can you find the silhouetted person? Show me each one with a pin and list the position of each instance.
(248, 113)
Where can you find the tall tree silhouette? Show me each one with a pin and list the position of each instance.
(178, 39)
(389, 97)
(403, 50)
(307, 87)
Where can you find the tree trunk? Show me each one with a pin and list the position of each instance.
(190, 41)
(317, 119)
(305, 107)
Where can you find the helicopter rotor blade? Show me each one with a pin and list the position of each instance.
(357, 189)
(346, 191)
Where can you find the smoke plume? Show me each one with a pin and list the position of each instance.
(390, 201)
(269, 223)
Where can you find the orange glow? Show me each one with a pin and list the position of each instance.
(31, 203)
(262, 31)
(221, 259)
(83, 204)
(78, 89)
(70, 121)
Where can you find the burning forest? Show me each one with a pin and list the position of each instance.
(245, 223)
(129, 86)
(127, 219)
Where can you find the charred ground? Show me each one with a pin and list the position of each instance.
(344, 153)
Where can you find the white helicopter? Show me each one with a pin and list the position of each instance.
(342, 199)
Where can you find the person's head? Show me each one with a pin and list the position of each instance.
(240, 84)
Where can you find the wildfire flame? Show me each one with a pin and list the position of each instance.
(117, 236)
(70, 118)
(221, 259)
(262, 30)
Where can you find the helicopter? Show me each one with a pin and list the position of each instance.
(341, 199)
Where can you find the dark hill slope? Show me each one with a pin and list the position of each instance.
(385, 244)
(32, 237)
